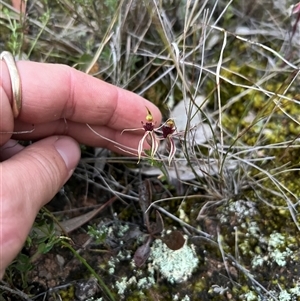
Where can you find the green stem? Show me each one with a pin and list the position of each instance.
(82, 260)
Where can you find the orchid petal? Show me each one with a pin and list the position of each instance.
(131, 130)
(154, 145)
(296, 8)
(153, 142)
(172, 149)
(140, 146)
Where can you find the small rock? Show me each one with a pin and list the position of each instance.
(85, 289)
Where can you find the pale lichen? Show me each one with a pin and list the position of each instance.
(277, 250)
(258, 260)
(174, 266)
(295, 290)
(284, 296)
(280, 256)
(276, 240)
(145, 282)
(250, 296)
(124, 283)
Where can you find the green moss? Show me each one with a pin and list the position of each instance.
(68, 294)
(200, 285)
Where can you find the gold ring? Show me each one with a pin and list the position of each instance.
(15, 81)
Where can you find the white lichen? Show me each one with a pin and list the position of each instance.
(124, 284)
(175, 266)
(145, 283)
(277, 250)
(284, 296)
(253, 229)
(295, 291)
(122, 230)
(121, 285)
(276, 240)
(250, 296)
(242, 208)
(219, 289)
(257, 261)
(280, 257)
(175, 297)
(114, 260)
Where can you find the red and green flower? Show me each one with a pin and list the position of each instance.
(154, 135)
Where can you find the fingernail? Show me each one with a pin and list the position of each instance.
(69, 150)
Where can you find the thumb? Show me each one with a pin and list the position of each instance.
(28, 180)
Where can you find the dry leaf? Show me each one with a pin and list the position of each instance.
(142, 253)
(174, 240)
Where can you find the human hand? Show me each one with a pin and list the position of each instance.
(59, 101)
(19, 5)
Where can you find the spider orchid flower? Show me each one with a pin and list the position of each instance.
(149, 136)
(168, 130)
(153, 135)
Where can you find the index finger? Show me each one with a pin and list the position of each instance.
(52, 91)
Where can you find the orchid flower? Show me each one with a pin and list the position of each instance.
(149, 136)
(166, 131)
